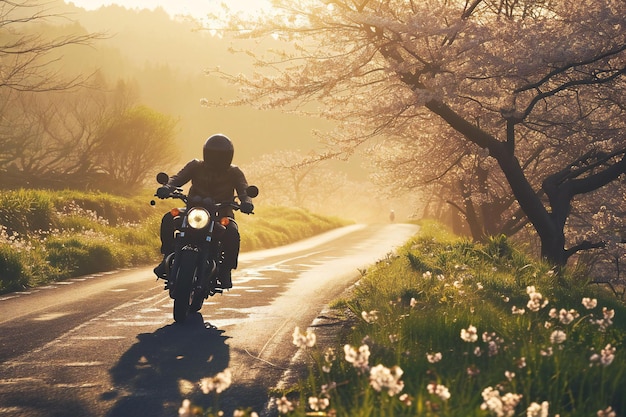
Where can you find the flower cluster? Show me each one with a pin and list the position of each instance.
(470, 334)
(16, 242)
(358, 358)
(604, 358)
(284, 405)
(497, 405)
(73, 209)
(536, 302)
(318, 403)
(558, 337)
(383, 378)
(538, 410)
(218, 383)
(606, 320)
(589, 303)
(439, 390)
(303, 340)
(493, 343)
(370, 317)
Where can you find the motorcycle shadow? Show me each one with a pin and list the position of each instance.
(163, 368)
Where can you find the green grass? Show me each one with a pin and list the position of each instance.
(48, 236)
(418, 302)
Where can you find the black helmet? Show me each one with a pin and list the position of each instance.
(218, 152)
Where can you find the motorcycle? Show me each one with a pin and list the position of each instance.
(192, 269)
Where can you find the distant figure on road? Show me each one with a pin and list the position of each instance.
(392, 216)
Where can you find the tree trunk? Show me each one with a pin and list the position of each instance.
(552, 238)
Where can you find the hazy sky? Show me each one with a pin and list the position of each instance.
(196, 8)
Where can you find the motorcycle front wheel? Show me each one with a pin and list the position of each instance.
(203, 287)
(184, 291)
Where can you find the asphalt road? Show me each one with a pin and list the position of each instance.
(106, 344)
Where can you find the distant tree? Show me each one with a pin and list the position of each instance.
(51, 136)
(27, 54)
(138, 142)
(286, 177)
(511, 78)
(294, 178)
(85, 138)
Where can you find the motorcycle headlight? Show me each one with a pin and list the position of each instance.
(198, 218)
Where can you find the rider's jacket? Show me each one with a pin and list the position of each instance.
(218, 185)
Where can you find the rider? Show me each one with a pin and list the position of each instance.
(216, 178)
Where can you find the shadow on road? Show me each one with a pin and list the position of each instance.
(149, 377)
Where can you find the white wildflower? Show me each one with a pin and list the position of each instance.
(284, 405)
(370, 317)
(218, 383)
(566, 317)
(538, 410)
(607, 412)
(470, 334)
(303, 340)
(500, 406)
(318, 404)
(434, 357)
(383, 378)
(607, 355)
(359, 359)
(589, 303)
(439, 390)
(536, 302)
(185, 409)
(518, 311)
(557, 337)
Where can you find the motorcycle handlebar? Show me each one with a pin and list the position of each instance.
(177, 193)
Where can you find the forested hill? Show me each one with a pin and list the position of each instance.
(166, 58)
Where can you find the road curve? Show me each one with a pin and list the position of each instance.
(106, 345)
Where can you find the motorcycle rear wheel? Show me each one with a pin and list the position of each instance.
(185, 286)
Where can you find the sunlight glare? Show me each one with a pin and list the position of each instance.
(198, 9)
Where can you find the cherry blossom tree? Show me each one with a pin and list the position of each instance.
(539, 86)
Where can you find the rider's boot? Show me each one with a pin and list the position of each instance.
(224, 279)
(161, 271)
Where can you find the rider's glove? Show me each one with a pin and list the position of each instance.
(246, 207)
(163, 192)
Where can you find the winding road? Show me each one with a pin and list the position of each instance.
(106, 344)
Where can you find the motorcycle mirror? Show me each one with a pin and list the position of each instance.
(162, 178)
(252, 191)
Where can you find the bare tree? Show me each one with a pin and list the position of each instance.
(84, 138)
(27, 54)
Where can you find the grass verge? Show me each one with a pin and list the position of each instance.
(447, 327)
(48, 236)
